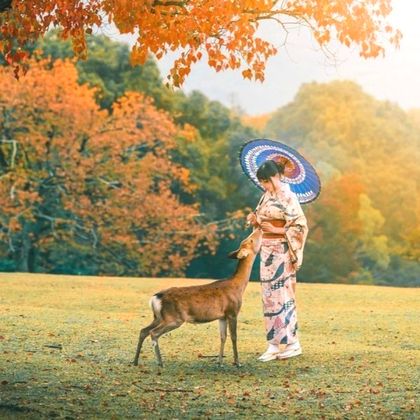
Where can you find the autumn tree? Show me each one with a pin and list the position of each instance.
(335, 228)
(209, 136)
(354, 139)
(77, 177)
(345, 130)
(225, 32)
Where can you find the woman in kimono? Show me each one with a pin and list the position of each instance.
(284, 227)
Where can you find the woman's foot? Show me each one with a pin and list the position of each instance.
(291, 350)
(271, 353)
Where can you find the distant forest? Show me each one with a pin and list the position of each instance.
(106, 171)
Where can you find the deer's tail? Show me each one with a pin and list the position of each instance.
(156, 305)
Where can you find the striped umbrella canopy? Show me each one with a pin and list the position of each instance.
(298, 172)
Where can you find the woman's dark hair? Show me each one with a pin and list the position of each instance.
(268, 169)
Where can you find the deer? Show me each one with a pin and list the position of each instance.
(219, 300)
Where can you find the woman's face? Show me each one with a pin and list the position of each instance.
(267, 184)
(271, 183)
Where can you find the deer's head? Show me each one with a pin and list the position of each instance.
(250, 246)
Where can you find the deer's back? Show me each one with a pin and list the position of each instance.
(202, 303)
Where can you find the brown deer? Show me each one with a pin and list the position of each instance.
(220, 300)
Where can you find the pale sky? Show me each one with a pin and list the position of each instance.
(395, 78)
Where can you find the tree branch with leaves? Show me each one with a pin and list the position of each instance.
(224, 32)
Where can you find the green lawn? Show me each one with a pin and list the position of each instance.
(67, 343)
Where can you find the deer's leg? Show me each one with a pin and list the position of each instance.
(143, 335)
(223, 334)
(159, 330)
(232, 330)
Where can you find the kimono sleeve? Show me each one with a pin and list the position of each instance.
(296, 228)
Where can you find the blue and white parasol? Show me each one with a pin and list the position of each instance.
(298, 172)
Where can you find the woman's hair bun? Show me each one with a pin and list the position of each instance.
(269, 168)
(280, 167)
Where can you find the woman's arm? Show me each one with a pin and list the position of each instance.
(251, 219)
(268, 227)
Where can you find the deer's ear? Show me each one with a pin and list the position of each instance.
(233, 254)
(239, 253)
(243, 253)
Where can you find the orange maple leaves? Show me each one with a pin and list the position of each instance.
(225, 31)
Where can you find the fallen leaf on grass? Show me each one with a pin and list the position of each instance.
(319, 393)
(119, 394)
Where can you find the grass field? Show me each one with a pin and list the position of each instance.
(67, 343)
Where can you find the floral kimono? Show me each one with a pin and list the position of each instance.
(281, 258)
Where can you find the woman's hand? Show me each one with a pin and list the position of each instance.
(267, 227)
(251, 219)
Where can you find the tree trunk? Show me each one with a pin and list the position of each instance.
(23, 258)
(31, 259)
